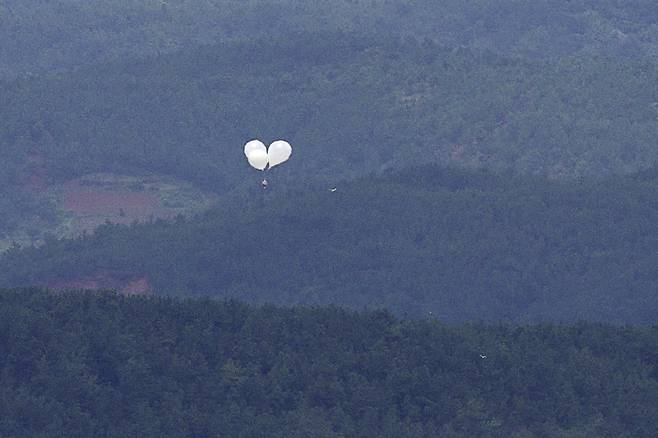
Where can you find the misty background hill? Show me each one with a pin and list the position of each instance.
(59, 36)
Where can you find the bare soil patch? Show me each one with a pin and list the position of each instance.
(83, 204)
(103, 280)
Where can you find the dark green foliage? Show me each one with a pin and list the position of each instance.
(103, 365)
(463, 245)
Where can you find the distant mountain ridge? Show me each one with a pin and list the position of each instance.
(43, 37)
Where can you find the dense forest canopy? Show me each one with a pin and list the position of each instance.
(462, 245)
(58, 36)
(83, 365)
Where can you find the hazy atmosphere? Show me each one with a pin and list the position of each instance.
(280, 218)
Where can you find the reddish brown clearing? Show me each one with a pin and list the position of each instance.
(85, 201)
(103, 280)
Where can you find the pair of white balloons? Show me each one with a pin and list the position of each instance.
(260, 157)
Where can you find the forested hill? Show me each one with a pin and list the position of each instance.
(43, 36)
(461, 245)
(350, 105)
(81, 365)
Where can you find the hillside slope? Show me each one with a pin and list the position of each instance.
(461, 245)
(349, 106)
(175, 88)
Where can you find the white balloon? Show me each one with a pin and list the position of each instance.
(254, 145)
(257, 159)
(278, 152)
